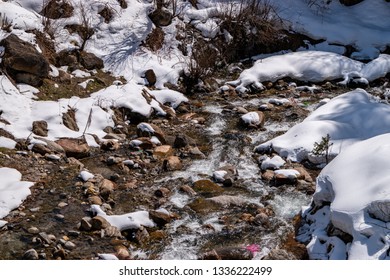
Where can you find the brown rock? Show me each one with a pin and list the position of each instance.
(207, 187)
(196, 153)
(163, 151)
(69, 120)
(268, 175)
(150, 77)
(160, 218)
(94, 199)
(74, 147)
(40, 128)
(85, 224)
(148, 129)
(257, 119)
(21, 57)
(56, 9)
(90, 61)
(304, 175)
(188, 190)
(229, 253)
(122, 252)
(161, 17)
(106, 187)
(142, 236)
(162, 192)
(98, 223)
(109, 145)
(172, 163)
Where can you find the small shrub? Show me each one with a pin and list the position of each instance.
(323, 147)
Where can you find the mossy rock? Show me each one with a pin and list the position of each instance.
(204, 206)
(207, 187)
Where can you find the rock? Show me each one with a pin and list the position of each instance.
(107, 14)
(62, 204)
(98, 223)
(69, 120)
(112, 231)
(122, 252)
(33, 230)
(56, 9)
(106, 187)
(148, 129)
(241, 110)
(207, 187)
(67, 58)
(142, 236)
(30, 255)
(123, 4)
(59, 217)
(52, 146)
(40, 149)
(113, 160)
(172, 163)
(40, 128)
(109, 145)
(380, 209)
(279, 254)
(160, 218)
(162, 192)
(21, 57)
(229, 253)
(85, 224)
(45, 238)
(285, 177)
(182, 141)
(252, 119)
(188, 190)
(226, 175)
(261, 219)
(150, 77)
(303, 174)
(272, 163)
(94, 199)
(70, 245)
(161, 17)
(350, 2)
(90, 61)
(163, 151)
(196, 153)
(74, 147)
(204, 206)
(268, 175)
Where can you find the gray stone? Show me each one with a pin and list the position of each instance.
(30, 255)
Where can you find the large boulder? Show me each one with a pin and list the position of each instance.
(77, 148)
(23, 62)
(56, 9)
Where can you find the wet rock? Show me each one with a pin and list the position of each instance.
(30, 254)
(98, 223)
(172, 163)
(228, 200)
(40, 128)
(203, 206)
(182, 141)
(206, 187)
(196, 153)
(160, 218)
(161, 17)
(163, 151)
(74, 147)
(230, 253)
(142, 236)
(226, 175)
(188, 190)
(241, 110)
(162, 192)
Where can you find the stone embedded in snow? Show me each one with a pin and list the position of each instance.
(272, 163)
(355, 185)
(85, 175)
(348, 118)
(252, 119)
(12, 191)
(132, 220)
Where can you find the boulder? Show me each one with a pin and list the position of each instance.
(226, 175)
(253, 119)
(99, 223)
(90, 61)
(40, 128)
(56, 9)
(163, 151)
(23, 62)
(69, 120)
(207, 187)
(150, 77)
(160, 218)
(161, 17)
(172, 163)
(74, 147)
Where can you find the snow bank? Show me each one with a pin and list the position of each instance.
(12, 191)
(348, 118)
(132, 220)
(98, 106)
(310, 66)
(359, 199)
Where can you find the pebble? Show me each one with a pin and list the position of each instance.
(59, 217)
(62, 204)
(33, 230)
(30, 255)
(69, 245)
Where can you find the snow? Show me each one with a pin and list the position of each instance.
(359, 199)
(171, 97)
(219, 175)
(289, 173)
(12, 191)
(310, 66)
(145, 127)
(7, 143)
(272, 163)
(348, 118)
(251, 118)
(132, 220)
